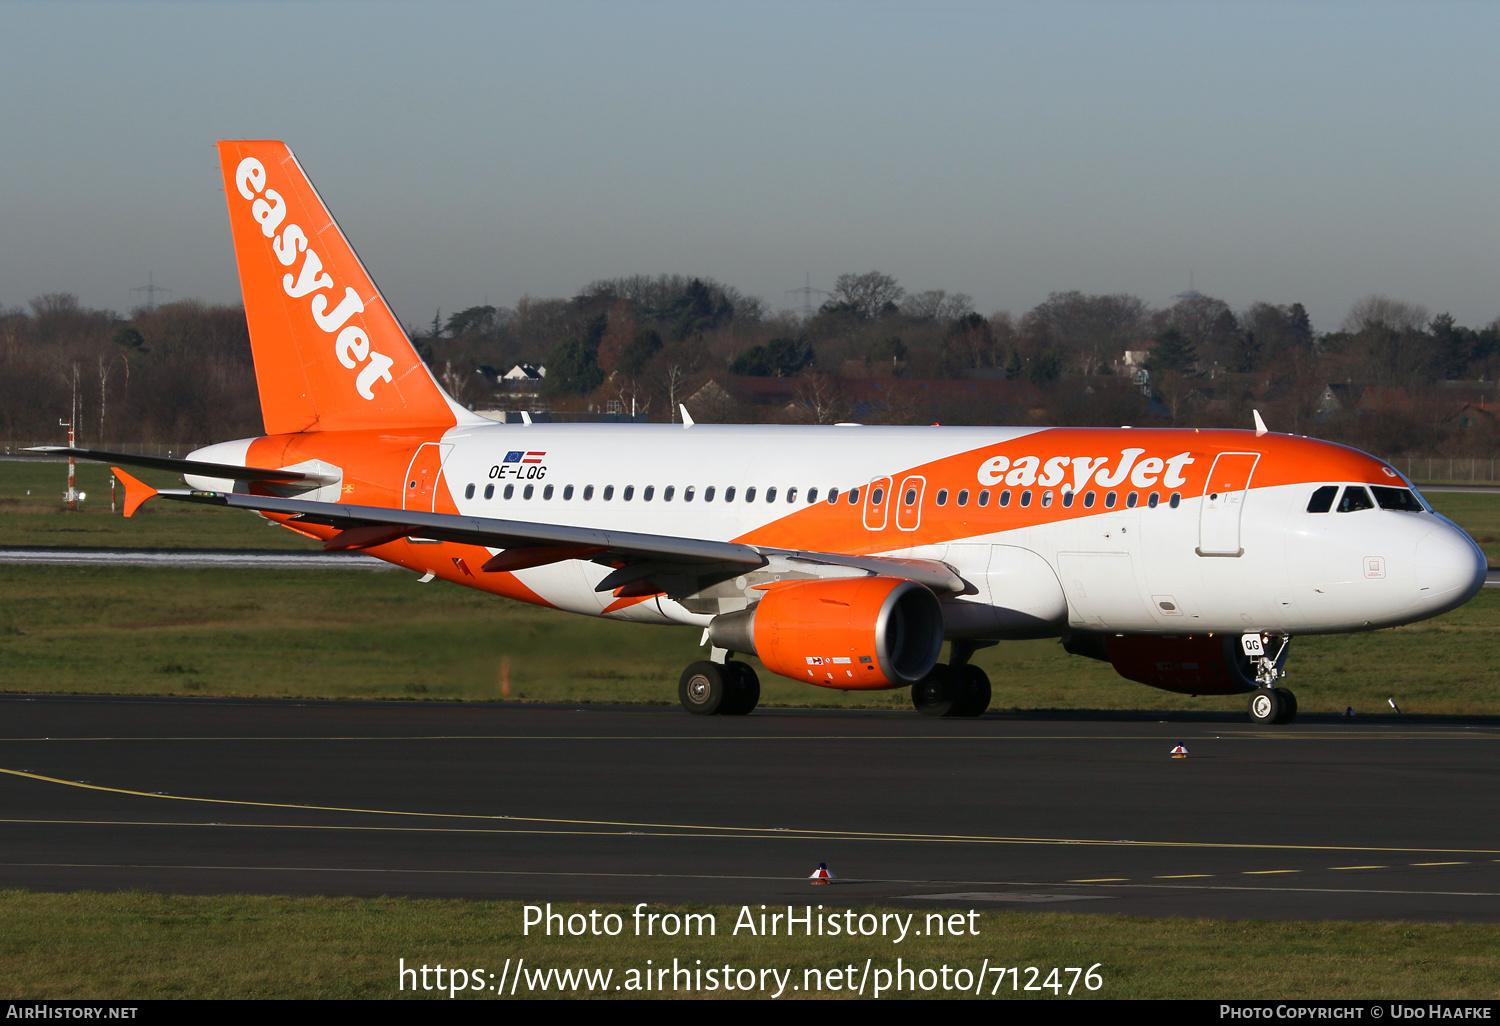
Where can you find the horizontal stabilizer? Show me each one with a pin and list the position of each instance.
(198, 468)
(136, 492)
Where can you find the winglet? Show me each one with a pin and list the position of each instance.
(136, 492)
(687, 418)
(1260, 425)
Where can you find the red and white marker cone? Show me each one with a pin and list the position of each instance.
(822, 875)
(1179, 752)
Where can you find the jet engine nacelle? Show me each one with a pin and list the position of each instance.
(848, 633)
(1188, 665)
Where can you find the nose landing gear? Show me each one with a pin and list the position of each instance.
(1273, 705)
(1266, 655)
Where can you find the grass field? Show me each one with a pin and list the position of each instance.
(349, 633)
(32, 513)
(138, 945)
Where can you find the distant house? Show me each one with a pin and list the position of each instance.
(520, 389)
(1351, 398)
(1472, 415)
(522, 372)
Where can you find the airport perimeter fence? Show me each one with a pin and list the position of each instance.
(1448, 469)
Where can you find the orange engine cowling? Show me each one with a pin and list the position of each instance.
(847, 633)
(1188, 665)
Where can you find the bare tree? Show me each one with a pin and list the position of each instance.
(937, 305)
(1377, 311)
(823, 395)
(867, 294)
(1092, 330)
(675, 377)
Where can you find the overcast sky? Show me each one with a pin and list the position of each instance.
(477, 152)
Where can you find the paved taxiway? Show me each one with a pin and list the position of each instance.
(1345, 819)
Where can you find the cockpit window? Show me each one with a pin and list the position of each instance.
(1397, 498)
(1322, 499)
(1355, 498)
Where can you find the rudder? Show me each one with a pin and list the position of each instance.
(329, 354)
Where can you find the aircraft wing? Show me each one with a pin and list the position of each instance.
(641, 561)
(177, 466)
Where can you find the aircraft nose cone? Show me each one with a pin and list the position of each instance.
(1450, 567)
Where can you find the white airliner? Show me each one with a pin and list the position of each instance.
(842, 556)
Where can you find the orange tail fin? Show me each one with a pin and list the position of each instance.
(329, 354)
(136, 491)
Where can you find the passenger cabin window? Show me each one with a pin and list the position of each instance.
(854, 496)
(668, 492)
(588, 492)
(1355, 499)
(708, 494)
(942, 497)
(1088, 500)
(529, 492)
(1047, 498)
(1176, 500)
(609, 492)
(770, 494)
(791, 495)
(833, 496)
(1026, 498)
(963, 497)
(489, 491)
(648, 494)
(1398, 499)
(1132, 500)
(729, 494)
(1109, 500)
(510, 490)
(687, 494)
(1154, 500)
(984, 497)
(469, 492)
(547, 492)
(876, 496)
(629, 493)
(1322, 499)
(812, 495)
(568, 492)
(1067, 499)
(1005, 497)
(749, 495)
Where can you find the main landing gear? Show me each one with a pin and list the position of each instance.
(729, 688)
(959, 689)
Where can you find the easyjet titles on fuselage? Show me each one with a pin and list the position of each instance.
(1142, 473)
